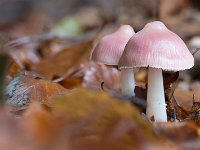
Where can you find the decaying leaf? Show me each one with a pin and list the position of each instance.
(27, 87)
(93, 121)
(10, 139)
(39, 124)
(72, 79)
(59, 64)
(174, 130)
(98, 121)
(185, 135)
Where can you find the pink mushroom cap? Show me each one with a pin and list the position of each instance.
(157, 47)
(111, 47)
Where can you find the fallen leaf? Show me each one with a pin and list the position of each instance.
(72, 79)
(60, 63)
(177, 132)
(38, 124)
(71, 82)
(184, 134)
(27, 87)
(13, 68)
(10, 131)
(185, 98)
(98, 121)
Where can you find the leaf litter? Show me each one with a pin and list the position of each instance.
(67, 102)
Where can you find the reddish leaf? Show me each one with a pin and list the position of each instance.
(28, 87)
(60, 63)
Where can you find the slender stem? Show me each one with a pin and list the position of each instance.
(155, 96)
(127, 82)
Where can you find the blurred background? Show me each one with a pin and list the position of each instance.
(29, 17)
(53, 40)
(19, 18)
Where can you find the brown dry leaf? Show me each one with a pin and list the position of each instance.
(38, 124)
(177, 131)
(82, 120)
(185, 98)
(71, 82)
(36, 129)
(10, 131)
(27, 87)
(42, 129)
(97, 121)
(60, 63)
(185, 135)
(72, 79)
(13, 68)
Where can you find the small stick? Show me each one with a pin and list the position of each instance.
(69, 74)
(197, 49)
(193, 99)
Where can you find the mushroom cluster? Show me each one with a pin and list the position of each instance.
(155, 47)
(109, 50)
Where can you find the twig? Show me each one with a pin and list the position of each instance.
(197, 49)
(69, 74)
(44, 37)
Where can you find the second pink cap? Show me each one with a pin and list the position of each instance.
(157, 47)
(111, 47)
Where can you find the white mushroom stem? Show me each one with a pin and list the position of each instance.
(127, 82)
(155, 96)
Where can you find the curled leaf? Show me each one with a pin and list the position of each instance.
(98, 74)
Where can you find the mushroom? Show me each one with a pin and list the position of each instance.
(158, 48)
(109, 51)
